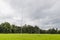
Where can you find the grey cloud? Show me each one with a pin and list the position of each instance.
(35, 12)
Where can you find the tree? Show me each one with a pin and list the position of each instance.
(30, 29)
(52, 31)
(36, 29)
(6, 26)
(24, 29)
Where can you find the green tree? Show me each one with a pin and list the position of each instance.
(6, 26)
(36, 29)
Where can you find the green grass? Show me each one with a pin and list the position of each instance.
(29, 36)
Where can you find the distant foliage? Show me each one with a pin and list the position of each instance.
(8, 28)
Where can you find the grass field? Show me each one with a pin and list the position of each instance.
(29, 37)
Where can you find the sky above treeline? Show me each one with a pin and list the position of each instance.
(44, 13)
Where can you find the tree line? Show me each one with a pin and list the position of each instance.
(8, 28)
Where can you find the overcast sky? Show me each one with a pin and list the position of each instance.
(44, 13)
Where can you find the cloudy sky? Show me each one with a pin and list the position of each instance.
(44, 13)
